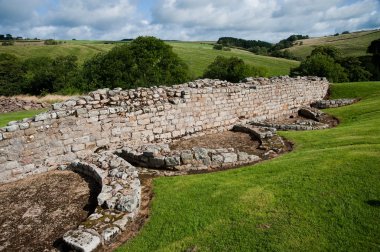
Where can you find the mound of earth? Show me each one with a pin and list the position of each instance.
(35, 212)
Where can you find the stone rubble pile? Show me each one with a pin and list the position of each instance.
(10, 104)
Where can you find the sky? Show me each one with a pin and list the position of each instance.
(191, 20)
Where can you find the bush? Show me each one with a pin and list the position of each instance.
(323, 66)
(8, 43)
(146, 61)
(217, 47)
(231, 69)
(50, 42)
(12, 75)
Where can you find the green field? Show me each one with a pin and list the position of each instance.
(199, 55)
(353, 44)
(196, 54)
(19, 115)
(323, 196)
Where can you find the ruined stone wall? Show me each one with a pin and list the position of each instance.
(108, 119)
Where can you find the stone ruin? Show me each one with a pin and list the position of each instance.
(107, 134)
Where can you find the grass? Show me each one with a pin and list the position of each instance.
(312, 199)
(353, 44)
(15, 116)
(196, 54)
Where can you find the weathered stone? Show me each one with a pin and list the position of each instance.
(187, 157)
(12, 128)
(172, 161)
(110, 233)
(82, 240)
(229, 157)
(102, 197)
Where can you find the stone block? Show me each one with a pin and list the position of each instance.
(229, 157)
(12, 128)
(172, 161)
(82, 240)
(109, 233)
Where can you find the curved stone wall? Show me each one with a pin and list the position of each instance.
(110, 119)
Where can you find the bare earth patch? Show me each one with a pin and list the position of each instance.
(228, 139)
(35, 212)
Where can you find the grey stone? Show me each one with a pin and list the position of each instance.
(102, 197)
(12, 128)
(127, 203)
(109, 233)
(122, 222)
(217, 158)
(187, 157)
(172, 161)
(82, 240)
(156, 162)
(229, 157)
(41, 117)
(243, 156)
(24, 125)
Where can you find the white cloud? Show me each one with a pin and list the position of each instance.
(270, 20)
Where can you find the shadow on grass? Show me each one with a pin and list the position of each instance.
(374, 203)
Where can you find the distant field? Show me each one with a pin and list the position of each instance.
(82, 49)
(353, 44)
(196, 54)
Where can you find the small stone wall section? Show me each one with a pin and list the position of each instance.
(110, 119)
(323, 104)
(118, 201)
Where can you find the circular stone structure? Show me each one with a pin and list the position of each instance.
(35, 212)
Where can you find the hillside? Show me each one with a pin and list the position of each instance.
(196, 54)
(353, 44)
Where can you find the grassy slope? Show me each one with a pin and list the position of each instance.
(14, 116)
(199, 55)
(353, 44)
(312, 199)
(82, 49)
(196, 54)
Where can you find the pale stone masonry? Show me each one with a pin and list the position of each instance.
(110, 119)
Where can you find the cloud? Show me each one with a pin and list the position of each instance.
(270, 20)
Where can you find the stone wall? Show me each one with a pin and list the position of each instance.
(110, 119)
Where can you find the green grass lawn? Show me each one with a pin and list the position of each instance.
(312, 199)
(353, 44)
(14, 116)
(196, 54)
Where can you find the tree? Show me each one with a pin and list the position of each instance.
(327, 51)
(11, 75)
(354, 69)
(231, 69)
(323, 66)
(374, 47)
(146, 61)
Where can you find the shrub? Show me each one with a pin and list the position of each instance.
(231, 69)
(50, 42)
(11, 75)
(8, 43)
(323, 66)
(217, 47)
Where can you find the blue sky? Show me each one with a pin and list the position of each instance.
(269, 20)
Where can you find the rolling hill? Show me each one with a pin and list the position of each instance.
(352, 44)
(196, 54)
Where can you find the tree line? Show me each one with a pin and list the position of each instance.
(263, 47)
(327, 61)
(144, 62)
